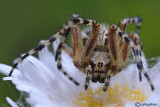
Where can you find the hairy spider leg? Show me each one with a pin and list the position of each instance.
(137, 53)
(59, 66)
(77, 47)
(137, 42)
(107, 80)
(135, 20)
(127, 21)
(88, 77)
(64, 31)
(79, 51)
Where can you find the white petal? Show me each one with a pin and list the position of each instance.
(154, 98)
(37, 97)
(42, 77)
(17, 78)
(21, 84)
(132, 104)
(49, 60)
(40, 99)
(40, 83)
(155, 76)
(44, 80)
(5, 69)
(13, 104)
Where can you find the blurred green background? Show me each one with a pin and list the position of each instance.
(23, 23)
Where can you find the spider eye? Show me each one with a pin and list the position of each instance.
(100, 65)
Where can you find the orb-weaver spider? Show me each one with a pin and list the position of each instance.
(100, 53)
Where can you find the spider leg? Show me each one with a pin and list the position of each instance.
(107, 80)
(77, 42)
(78, 45)
(61, 46)
(63, 32)
(91, 43)
(126, 21)
(113, 44)
(140, 76)
(136, 52)
(69, 51)
(88, 77)
(79, 51)
(59, 66)
(137, 42)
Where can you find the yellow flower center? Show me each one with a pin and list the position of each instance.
(114, 97)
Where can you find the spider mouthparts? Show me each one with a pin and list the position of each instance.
(99, 71)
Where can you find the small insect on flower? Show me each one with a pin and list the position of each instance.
(100, 53)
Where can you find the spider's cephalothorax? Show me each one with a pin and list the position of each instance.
(100, 53)
(100, 58)
(100, 62)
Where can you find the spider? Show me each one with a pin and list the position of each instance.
(100, 53)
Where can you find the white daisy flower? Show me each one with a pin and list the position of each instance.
(47, 87)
